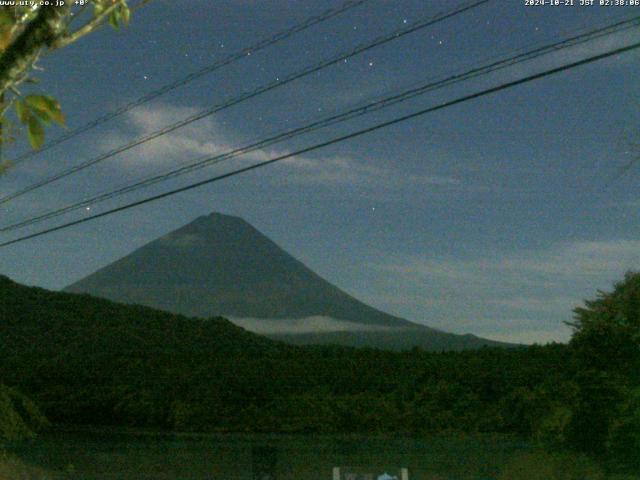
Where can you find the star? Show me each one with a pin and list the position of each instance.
(371, 64)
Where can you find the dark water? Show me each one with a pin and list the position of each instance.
(109, 455)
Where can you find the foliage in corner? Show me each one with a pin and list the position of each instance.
(605, 417)
(28, 32)
(607, 331)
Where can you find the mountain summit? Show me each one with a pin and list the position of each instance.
(220, 265)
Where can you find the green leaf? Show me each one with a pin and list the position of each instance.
(120, 15)
(114, 18)
(42, 116)
(46, 107)
(35, 132)
(23, 111)
(98, 8)
(125, 13)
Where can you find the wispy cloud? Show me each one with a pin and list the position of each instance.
(205, 137)
(197, 139)
(314, 324)
(505, 295)
(573, 54)
(345, 170)
(577, 259)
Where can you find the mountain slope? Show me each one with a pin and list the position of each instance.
(221, 265)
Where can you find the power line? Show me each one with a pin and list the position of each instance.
(335, 140)
(385, 102)
(246, 96)
(232, 58)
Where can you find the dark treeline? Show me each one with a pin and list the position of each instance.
(85, 360)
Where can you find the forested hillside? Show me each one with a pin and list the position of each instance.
(88, 360)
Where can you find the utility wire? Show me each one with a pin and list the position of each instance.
(335, 140)
(246, 96)
(232, 58)
(385, 102)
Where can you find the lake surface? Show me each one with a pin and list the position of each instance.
(107, 455)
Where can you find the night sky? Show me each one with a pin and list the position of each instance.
(494, 217)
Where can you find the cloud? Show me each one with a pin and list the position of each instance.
(195, 140)
(525, 295)
(345, 170)
(549, 305)
(205, 138)
(573, 54)
(577, 259)
(315, 324)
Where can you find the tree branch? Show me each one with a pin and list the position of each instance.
(21, 20)
(87, 28)
(41, 32)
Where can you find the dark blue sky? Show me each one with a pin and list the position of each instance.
(494, 217)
